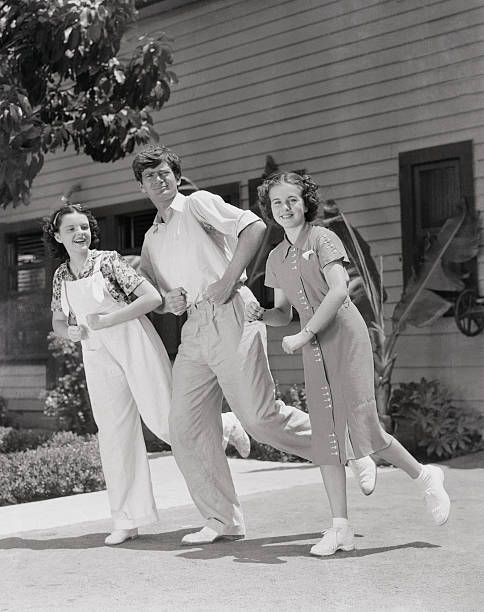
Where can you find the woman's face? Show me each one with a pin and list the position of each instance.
(287, 205)
(74, 233)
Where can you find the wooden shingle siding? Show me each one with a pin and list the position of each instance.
(339, 88)
(21, 386)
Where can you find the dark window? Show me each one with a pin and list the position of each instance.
(435, 183)
(132, 229)
(229, 192)
(25, 304)
(26, 263)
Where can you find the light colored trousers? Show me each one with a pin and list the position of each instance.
(128, 375)
(221, 356)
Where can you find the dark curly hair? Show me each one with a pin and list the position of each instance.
(153, 155)
(52, 224)
(309, 192)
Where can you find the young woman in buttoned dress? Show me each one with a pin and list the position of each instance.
(100, 301)
(307, 272)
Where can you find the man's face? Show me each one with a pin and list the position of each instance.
(159, 184)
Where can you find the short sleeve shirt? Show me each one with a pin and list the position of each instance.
(297, 268)
(194, 248)
(121, 279)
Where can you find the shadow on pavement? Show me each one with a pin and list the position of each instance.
(147, 541)
(271, 550)
(276, 550)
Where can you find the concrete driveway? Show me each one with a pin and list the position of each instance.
(56, 559)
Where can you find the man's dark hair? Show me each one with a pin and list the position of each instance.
(152, 156)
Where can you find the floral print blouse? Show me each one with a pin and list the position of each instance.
(121, 279)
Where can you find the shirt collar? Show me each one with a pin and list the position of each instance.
(178, 204)
(300, 241)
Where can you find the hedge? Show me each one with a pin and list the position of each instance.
(13, 440)
(64, 465)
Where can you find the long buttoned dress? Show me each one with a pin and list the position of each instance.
(338, 362)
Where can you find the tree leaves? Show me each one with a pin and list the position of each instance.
(61, 84)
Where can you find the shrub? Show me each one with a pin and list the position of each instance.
(67, 438)
(72, 466)
(4, 434)
(442, 430)
(294, 396)
(14, 440)
(69, 402)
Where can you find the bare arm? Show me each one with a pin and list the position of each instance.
(335, 276)
(146, 270)
(249, 241)
(147, 299)
(278, 316)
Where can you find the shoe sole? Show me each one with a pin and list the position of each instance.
(328, 554)
(228, 538)
(374, 485)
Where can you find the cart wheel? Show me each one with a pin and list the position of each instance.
(468, 321)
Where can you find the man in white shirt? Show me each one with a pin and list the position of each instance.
(196, 253)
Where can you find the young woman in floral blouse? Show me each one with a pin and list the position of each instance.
(307, 272)
(100, 301)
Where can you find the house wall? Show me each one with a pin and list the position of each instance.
(339, 88)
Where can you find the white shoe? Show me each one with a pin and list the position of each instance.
(365, 472)
(431, 480)
(335, 538)
(207, 535)
(118, 536)
(237, 435)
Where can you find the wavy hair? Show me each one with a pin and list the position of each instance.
(309, 193)
(51, 225)
(152, 156)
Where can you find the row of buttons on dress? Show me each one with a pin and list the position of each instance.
(333, 444)
(326, 395)
(303, 300)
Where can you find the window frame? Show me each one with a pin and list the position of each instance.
(12, 301)
(463, 151)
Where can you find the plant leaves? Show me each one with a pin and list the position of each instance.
(415, 295)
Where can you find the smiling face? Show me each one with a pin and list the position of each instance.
(287, 205)
(74, 233)
(160, 184)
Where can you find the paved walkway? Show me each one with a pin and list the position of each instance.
(52, 555)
